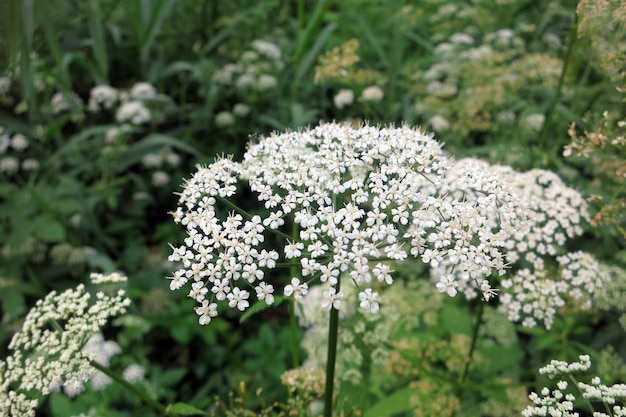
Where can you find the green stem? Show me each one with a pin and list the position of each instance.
(333, 330)
(470, 354)
(139, 393)
(295, 350)
(586, 400)
(559, 87)
(293, 272)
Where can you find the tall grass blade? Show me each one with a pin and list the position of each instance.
(98, 44)
(156, 17)
(303, 38)
(52, 42)
(312, 53)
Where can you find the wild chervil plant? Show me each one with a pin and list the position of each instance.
(48, 351)
(354, 198)
(561, 401)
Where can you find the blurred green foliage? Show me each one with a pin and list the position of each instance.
(498, 80)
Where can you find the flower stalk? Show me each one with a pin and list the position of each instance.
(131, 388)
(331, 358)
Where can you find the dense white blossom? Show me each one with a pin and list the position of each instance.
(343, 98)
(372, 93)
(355, 195)
(102, 96)
(143, 91)
(50, 349)
(544, 276)
(134, 112)
(560, 402)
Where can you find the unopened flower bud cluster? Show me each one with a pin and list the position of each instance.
(49, 349)
(358, 196)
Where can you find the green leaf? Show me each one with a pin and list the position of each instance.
(61, 405)
(181, 333)
(456, 320)
(313, 52)
(13, 305)
(184, 409)
(260, 306)
(398, 402)
(48, 230)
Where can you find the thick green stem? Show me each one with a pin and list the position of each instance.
(295, 349)
(333, 330)
(470, 354)
(136, 391)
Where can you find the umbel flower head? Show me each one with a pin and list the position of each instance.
(544, 276)
(48, 350)
(357, 197)
(560, 401)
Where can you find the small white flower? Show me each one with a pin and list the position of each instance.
(487, 291)
(296, 289)
(265, 292)
(206, 311)
(369, 300)
(293, 249)
(178, 280)
(332, 299)
(448, 285)
(238, 298)
(221, 288)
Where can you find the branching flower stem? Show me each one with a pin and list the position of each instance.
(468, 362)
(131, 388)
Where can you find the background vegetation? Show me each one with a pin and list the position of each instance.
(87, 184)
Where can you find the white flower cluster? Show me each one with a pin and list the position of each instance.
(65, 101)
(545, 276)
(100, 351)
(356, 196)
(129, 106)
(255, 69)
(555, 368)
(12, 150)
(48, 350)
(560, 403)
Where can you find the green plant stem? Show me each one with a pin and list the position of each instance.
(470, 354)
(586, 400)
(294, 271)
(559, 86)
(295, 350)
(136, 391)
(331, 358)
